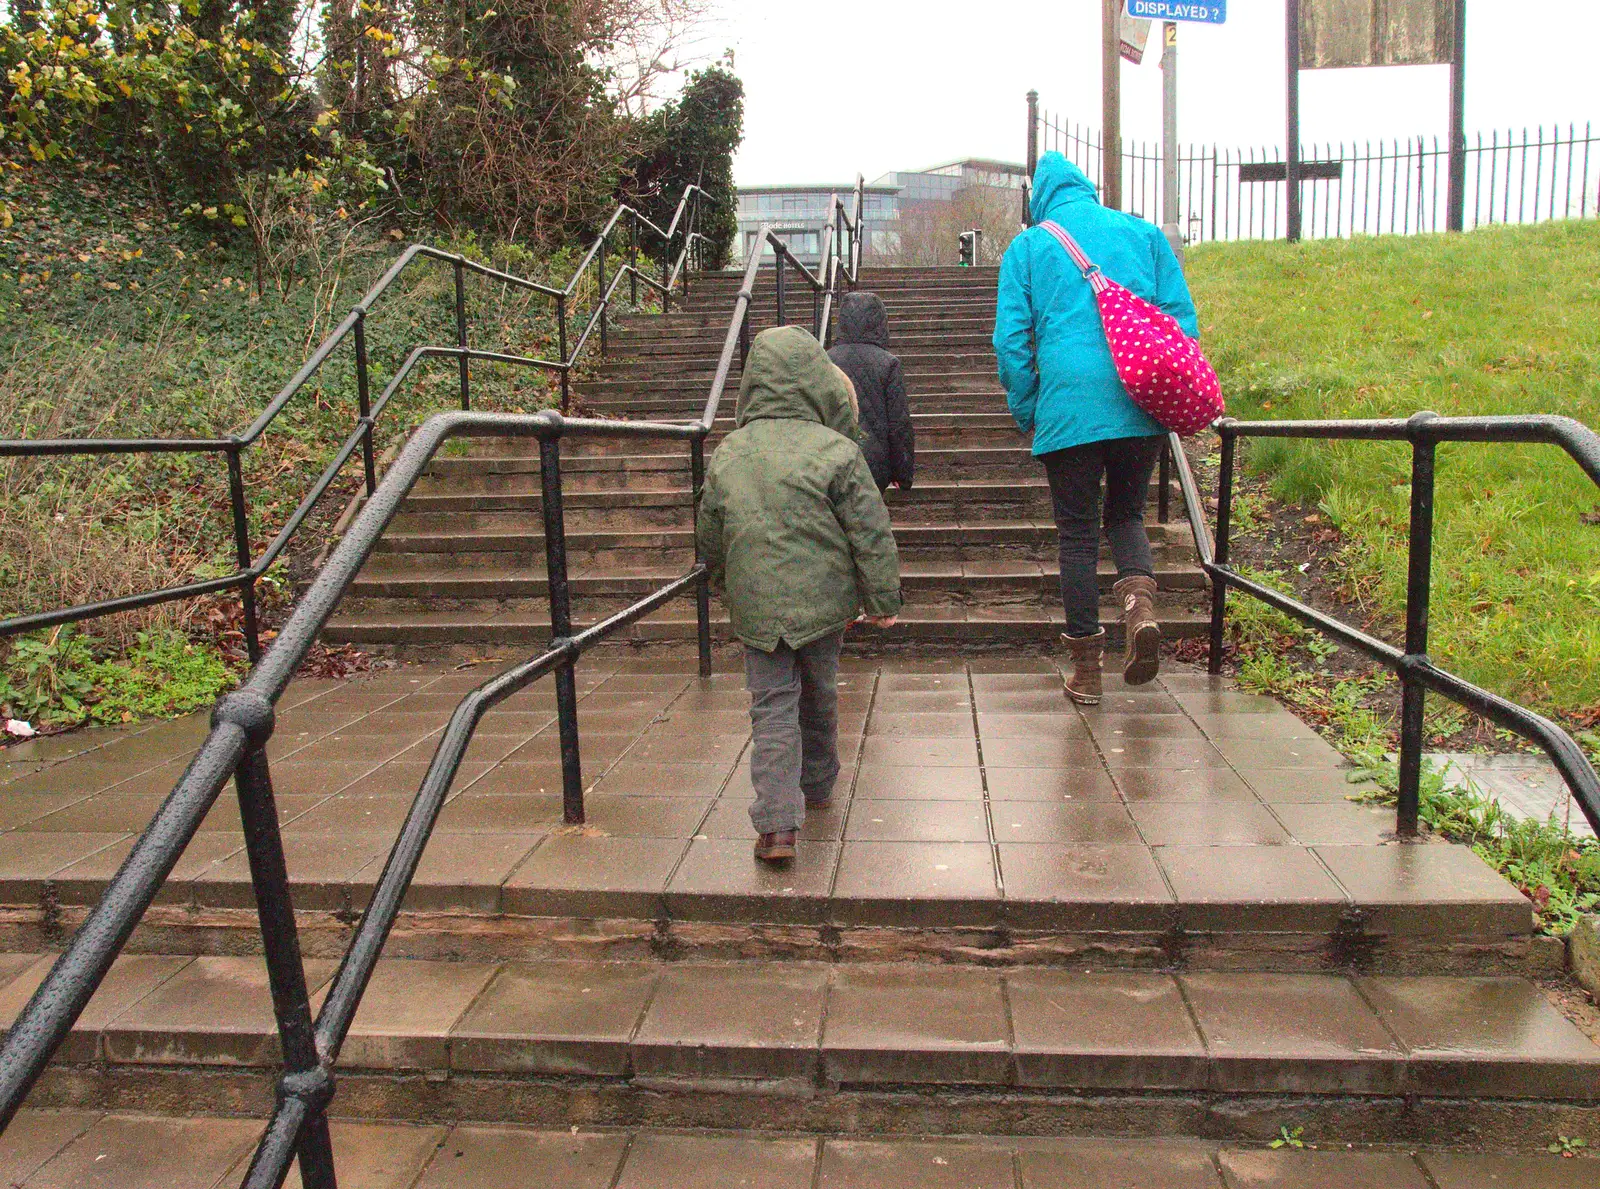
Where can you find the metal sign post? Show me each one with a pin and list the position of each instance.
(1111, 103)
(1291, 149)
(1456, 200)
(1170, 12)
(1169, 135)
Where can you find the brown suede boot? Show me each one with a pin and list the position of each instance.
(1083, 686)
(1142, 660)
(778, 847)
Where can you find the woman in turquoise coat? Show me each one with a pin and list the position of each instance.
(1063, 388)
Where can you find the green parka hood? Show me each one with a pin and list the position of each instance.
(1057, 181)
(788, 376)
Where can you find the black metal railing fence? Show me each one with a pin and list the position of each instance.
(681, 237)
(1394, 187)
(243, 722)
(1417, 673)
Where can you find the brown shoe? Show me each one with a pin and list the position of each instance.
(1142, 659)
(775, 848)
(1083, 686)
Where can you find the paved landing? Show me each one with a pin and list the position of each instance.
(80, 1150)
(973, 794)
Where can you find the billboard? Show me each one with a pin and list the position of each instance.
(1340, 33)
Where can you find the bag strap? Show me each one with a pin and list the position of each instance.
(1091, 270)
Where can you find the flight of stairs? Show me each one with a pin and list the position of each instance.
(462, 568)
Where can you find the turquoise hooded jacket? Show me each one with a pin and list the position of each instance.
(1055, 365)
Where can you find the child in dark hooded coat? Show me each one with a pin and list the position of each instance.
(861, 352)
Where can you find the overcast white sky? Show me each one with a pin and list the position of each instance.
(837, 86)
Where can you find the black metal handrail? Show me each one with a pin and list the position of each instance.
(252, 569)
(1418, 674)
(243, 722)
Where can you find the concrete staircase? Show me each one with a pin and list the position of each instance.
(462, 568)
(1029, 946)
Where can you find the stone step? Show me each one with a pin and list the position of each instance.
(874, 280)
(711, 326)
(125, 1149)
(916, 367)
(589, 471)
(966, 379)
(708, 345)
(926, 422)
(523, 592)
(799, 292)
(806, 1046)
(941, 476)
(400, 554)
(682, 407)
(802, 310)
(929, 503)
(797, 289)
(983, 624)
(960, 432)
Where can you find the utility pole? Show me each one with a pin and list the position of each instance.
(1169, 135)
(1456, 202)
(1291, 155)
(1033, 157)
(1111, 103)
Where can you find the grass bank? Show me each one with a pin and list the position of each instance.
(118, 318)
(1502, 320)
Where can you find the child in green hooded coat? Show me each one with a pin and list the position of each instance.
(798, 541)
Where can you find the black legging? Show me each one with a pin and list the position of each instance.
(1075, 472)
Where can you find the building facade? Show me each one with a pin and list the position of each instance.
(799, 213)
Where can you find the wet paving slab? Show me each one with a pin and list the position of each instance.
(57, 1149)
(972, 795)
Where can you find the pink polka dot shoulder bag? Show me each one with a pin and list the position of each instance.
(1160, 366)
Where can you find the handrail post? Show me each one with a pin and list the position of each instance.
(688, 242)
(633, 262)
(280, 941)
(777, 259)
(241, 547)
(461, 334)
(555, 556)
(1413, 695)
(364, 402)
(1219, 588)
(566, 364)
(1163, 494)
(666, 276)
(1033, 132)
(600, 295)
(702, 588)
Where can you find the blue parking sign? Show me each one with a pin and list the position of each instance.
(1214, 13)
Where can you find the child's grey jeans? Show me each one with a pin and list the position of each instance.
(794, 719)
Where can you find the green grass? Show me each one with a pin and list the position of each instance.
(1503, 320)
(118, 318)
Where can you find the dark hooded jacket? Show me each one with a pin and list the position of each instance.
(861, 351)
(791, 525)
